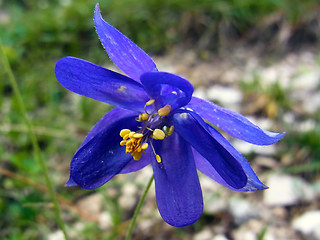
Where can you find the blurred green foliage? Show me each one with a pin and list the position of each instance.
(36, 33)
(155, 25)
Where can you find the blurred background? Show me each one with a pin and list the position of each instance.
(259, 58)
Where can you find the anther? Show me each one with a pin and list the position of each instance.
(144, 116)
(170, 131)
(158, 134)
(124, 132)
(158, 158)
(123, 142)
(144, 146)
(150, 102)
(126, 137)
(164, 111)
(138, 135)
(131, 134)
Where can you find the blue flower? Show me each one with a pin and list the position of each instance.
(157, 121)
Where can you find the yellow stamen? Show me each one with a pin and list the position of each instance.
(144, 116)
(144, 146)
(133, 142)
(158, 158)
(124, 132)
(164, 111)
(158, 134)
(126, 137)
(150, 102)
(170, 131)
(131, 134)
(129, 142)
(138, 135)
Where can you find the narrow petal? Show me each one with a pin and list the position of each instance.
(220, 158)
(101, 84)
(167, 88)
(101, 156)
(178, 191)
(131, 59)
(109, 118)
(233, 123)
(204, 166)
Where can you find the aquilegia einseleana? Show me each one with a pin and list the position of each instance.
(157, 121)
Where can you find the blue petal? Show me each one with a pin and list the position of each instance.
(204, 166)
(110, 118)
(220, 158)
(167, 88)
(233, 123)
(101, 156)
(101, 84)
(131, 59)
(178, 191)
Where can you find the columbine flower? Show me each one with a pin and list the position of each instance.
(157, 121)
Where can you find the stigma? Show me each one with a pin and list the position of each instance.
(153, 128)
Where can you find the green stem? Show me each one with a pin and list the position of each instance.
(137, 211)
(36, 148)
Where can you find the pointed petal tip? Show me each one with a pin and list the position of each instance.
(274, 137)
(233, 123)
(125, 54)
(97, 10)
(255, 185)
(71, 183)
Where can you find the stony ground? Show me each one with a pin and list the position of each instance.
(289, 208)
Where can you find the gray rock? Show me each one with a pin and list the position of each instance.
(200, 92)
(227, 96)
(308, 224)
(128, 197)
(105, 220)
(205, 234)
(308, 80)
(250, 231)
(220, 237)
(214, 201)
(91, 204)
(316, 187)
(311, 104)
(247, 148)
(286, 190)
(242, 210)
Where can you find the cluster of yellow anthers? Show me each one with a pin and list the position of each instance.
(136, 142)
(133, 142)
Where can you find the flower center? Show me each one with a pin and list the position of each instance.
(154, 126)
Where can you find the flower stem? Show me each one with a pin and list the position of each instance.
(137, 211)
(36, 148)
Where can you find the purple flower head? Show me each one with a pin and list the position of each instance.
(157, 121)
